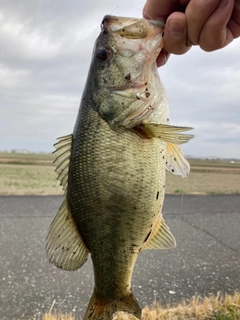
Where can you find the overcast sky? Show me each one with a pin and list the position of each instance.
(45, 52)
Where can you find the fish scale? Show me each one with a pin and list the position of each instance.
(112, 168)
(115, 184)
(115, 187)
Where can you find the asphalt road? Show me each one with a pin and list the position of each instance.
(206, 260)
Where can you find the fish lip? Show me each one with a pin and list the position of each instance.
(115, 24)
(109, 21)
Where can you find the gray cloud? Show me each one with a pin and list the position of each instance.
(45, 54)
(203, 91)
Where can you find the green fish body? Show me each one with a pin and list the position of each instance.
(112, 167)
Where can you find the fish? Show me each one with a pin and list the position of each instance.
(112, 167)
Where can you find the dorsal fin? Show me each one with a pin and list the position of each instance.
(62, 158)
(160, 237)
(175, 160)
(65, 247)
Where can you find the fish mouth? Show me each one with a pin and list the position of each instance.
(131, 28)
(142, 41)
(133, 35)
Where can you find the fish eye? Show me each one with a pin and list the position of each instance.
(103, 54)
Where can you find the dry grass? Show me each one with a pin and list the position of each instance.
(28, 180)
(26, 158)
(214, 307)
(41, 180)
(33, 174)
(204, 183)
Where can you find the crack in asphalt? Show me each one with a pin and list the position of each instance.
(211, 235)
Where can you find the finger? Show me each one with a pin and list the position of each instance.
(158, 9)
(161, 9)
(215, 34)
(175, 34)
(162, 58)
(234, 23)
(197, 13)
(174, 30)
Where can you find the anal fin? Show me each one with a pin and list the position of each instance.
(160, 237)
(65, 248)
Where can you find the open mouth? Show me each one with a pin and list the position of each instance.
(131, 28)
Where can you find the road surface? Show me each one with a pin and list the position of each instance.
(206, 260)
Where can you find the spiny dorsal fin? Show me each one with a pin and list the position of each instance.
(161, 237)
(62, 159)
(176, 162)
(65, 248)
(163, 132)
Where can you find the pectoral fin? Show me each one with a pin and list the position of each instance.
(163, 132)
(160, 237)
(176, 162)
(65, 248)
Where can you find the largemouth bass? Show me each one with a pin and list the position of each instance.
(112, 167)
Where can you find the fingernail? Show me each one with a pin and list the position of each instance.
(176, 28)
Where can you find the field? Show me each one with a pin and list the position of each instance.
(33, 174)
(28, 174)
(207, 177)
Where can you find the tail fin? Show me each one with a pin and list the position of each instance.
(100, 310)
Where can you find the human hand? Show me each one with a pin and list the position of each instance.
(210, 24)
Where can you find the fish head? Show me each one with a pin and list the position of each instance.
(124, 84)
